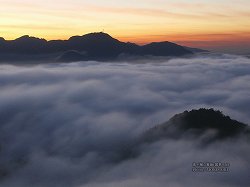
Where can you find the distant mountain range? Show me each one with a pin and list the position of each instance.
(93, 46)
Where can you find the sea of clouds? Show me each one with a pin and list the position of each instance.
(67, 124)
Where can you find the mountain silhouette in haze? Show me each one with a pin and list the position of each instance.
(212, 124)
(201, 127)
(93, 46)
(189, 125)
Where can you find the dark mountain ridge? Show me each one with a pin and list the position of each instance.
(202, 127)
(92, 46)
(196, 123)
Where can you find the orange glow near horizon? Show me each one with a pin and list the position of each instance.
(215, 42)
(209, 24)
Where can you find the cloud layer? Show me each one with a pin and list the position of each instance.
(68, 124)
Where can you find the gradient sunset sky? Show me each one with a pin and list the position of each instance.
(219, 25)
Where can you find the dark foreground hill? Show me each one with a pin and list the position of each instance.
(189, 126)
(93, 46)
(214, 125)
(201, 127)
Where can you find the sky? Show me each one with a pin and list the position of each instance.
(219, 25)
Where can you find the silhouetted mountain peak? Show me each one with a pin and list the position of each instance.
(29, 38)
(24, 37)
(95, 37)
(206, 118)
(131, 44)
(99, 34)
(197, 123)
(72, 56)
(94, 46)
(160, 48)
(2, 39)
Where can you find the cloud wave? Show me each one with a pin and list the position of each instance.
(67, 124)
